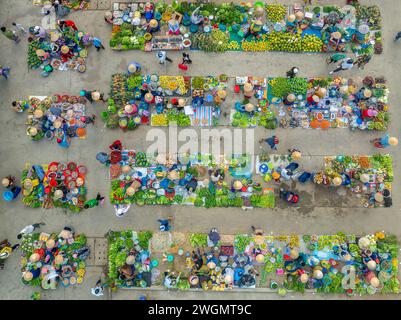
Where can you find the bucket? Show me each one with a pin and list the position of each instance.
(9, 195)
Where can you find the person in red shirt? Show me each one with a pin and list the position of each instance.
(67, 23)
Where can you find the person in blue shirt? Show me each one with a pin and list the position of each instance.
(385, 141)
(97, 43)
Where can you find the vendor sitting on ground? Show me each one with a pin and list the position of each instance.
(164, 224)
(20, 106)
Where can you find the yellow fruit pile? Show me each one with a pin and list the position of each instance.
(159, 120)
(255, 46)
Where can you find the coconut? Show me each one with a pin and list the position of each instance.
(363, 243)
(304, 278)
(371, 265)
(260, 258)
(299, 15)
(317, 274)
(237, 185)
(393, 141)
(294, 254)
(130, 260)
(35, 257)
(337, 181)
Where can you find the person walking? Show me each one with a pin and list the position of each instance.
(293, 72)
(336, 57)
(98, 289)
(20, 27)
(385, 141)
(272, 142)
(63, 24)
(162, 56)
(10, 34)
(397, 36)
(29, 229)
(164, 224)
(5, 72)
(99, 200)
(97, 43)
(345, 65)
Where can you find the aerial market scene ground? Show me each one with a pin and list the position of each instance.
(111, 114)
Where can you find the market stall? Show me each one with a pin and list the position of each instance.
(59, 117)
(71, 4)
(191, 179)
(162, 100)
(60, 50)
(367, 177)
(322, 263)
(322, 103)
(57, 184)
(49, 260)
(245, 26)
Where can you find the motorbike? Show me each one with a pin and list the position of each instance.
(5, 252)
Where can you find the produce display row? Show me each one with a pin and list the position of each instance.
(196, 179)
(316, 103)
(369, 178)
(49, 260)
(339, 263)
(137, 99)
(245, 27)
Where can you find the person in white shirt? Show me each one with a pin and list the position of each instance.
(162, 56)
(98, 289)
(345, 65)
(20, 27)
(29, 229)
